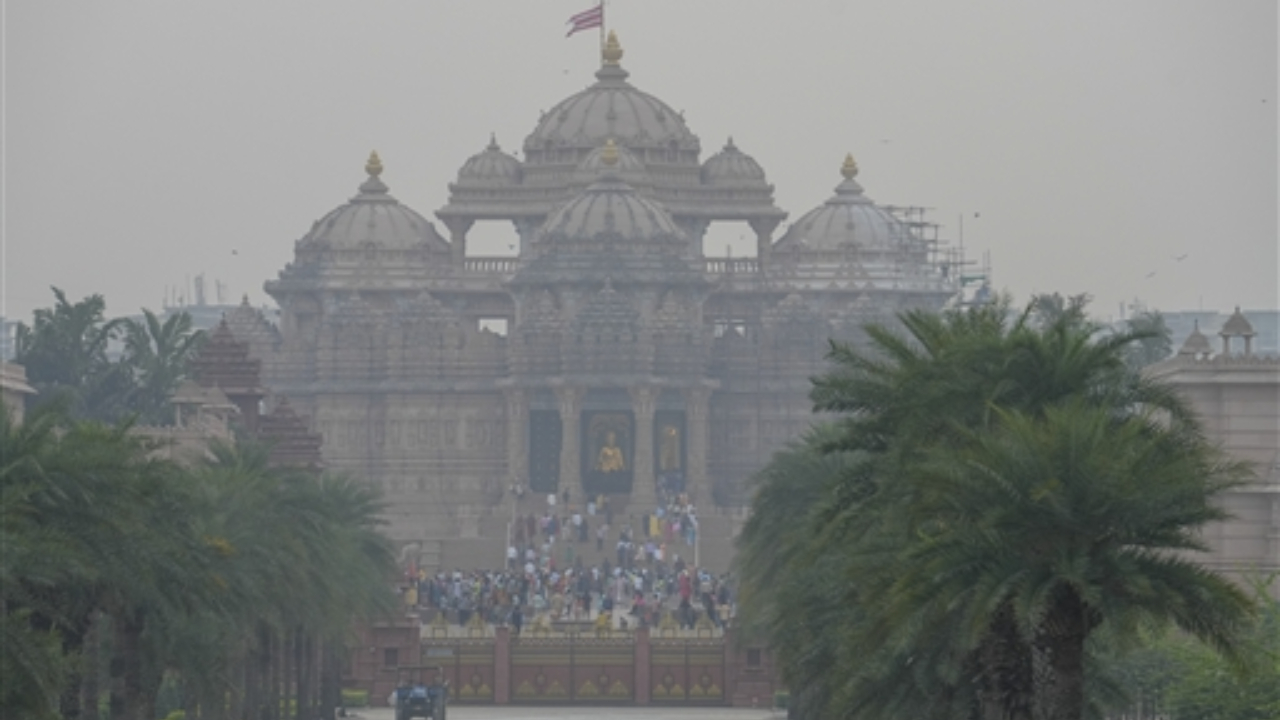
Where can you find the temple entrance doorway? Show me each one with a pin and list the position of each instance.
(544, 451)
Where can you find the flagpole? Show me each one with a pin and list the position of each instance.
(602, 41)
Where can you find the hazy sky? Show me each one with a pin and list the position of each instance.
(1087, 143)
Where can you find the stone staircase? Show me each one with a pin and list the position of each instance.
(487, 548)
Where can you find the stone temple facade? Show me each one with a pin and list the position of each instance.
(610, 355)
(1236, 393)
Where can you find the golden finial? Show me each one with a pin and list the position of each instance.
(609, 153)
(850, 168)
(612, 51)
(374, 165)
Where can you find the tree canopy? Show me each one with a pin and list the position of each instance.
(208, 575)
(991, 494)
(106, 369)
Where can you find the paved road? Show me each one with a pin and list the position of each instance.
(459, 712)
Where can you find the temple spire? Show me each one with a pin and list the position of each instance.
(609, 153)
(611, 54)
(850, 168)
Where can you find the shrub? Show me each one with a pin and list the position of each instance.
(781, 699)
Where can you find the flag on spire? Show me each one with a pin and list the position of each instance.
(587, 19)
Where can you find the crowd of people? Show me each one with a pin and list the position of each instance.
(636, 576)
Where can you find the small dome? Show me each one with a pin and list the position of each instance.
(489, 168)
(733, 168)
(1196, 343)
(619, 162)
(610, 108)
(610, 209)
(375, 218)
(848, 219)
(1237, 326)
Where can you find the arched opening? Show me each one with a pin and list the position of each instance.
(729, 239)
(493, 238)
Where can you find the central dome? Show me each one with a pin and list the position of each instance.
(610, 209)
(611, 108)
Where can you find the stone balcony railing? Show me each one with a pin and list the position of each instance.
(505, 266)
(730, 266)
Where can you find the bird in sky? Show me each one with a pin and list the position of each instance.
(1151, 274)
(1180, 258)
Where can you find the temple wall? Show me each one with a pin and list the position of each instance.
(430, 454)
(1238, 401)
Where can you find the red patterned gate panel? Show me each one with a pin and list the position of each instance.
(687, 671)
(468, 664)
(572, 669)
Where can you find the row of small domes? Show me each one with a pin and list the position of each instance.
(586, 125)
(728, 168)
(609, 205)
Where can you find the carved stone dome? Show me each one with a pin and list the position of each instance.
(611, 210)
(1237, 326)
(1196, 343)
(610, 108)
(848, 219)
(490, 168)
(733, 168)
(373, 219)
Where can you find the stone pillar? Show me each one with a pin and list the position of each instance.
(570, 399)
(526, 228)
(697, 418)
(644, 489)
(517, 436)
(502, 665)
(458, 228)
(764, 228)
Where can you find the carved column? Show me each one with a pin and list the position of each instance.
(764, 228)
(697, 417)
(644, 488)
(570, 399)
(517, 436)
(526, 228)
(458, 228)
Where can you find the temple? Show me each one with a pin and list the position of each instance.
(611, 356)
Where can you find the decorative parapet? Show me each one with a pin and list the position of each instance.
(504, 266)
(731, 266)
(1264, 362)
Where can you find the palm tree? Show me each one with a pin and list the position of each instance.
(1067, 522)
(298, 559)
(1155, 339)
(157, 352)
(65, 353)
(931, 391)
(36, 559)
(230, 574)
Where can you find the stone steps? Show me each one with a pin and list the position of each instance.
(487, 550)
